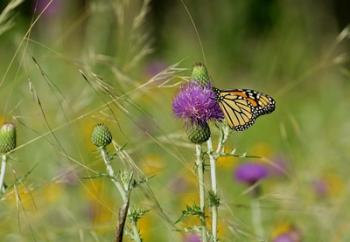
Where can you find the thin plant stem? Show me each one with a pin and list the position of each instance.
(111, 174)
(256, 219)
(135, 231)
(213, 155)
(124, 193)
(2, 172)
(214, 207)
(123, 214)
(224, 133)
(200, 174)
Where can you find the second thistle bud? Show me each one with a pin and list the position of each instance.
(7, 138)
(198, 133)
(200, 74)
(101, 136)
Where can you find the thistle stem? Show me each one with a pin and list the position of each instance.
(135, 231)
(256, 219)
(111, 174)
(224, 133)
(214, 208)
(124, 193)
(2, 173)
(200, 174)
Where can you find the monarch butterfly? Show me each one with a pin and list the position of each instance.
(241, 107)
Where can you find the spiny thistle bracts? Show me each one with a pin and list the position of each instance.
(101, 136)
(7, 138)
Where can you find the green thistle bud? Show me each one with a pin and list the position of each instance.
(7, 138)
(101, 136)
(200, 74)
(198, 133)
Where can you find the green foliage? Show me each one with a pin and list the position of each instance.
(7, 20)
(191, 210)
(137, 213)
(214, 199)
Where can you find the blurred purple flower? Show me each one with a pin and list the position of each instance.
(68, 176)
(197, 104)
(250, 173)
(192, 238)
(279, 167)
(178, 185)
(154, 67)
(320, 187)
(290, 236)
(53, 8)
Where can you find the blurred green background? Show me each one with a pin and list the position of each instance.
(138, 52)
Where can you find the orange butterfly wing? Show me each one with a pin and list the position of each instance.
(241, 107)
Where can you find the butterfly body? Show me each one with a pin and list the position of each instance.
(241, 107)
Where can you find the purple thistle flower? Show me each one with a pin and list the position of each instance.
(197, 104)
(250, 173)
(192, 238)
(290, 236)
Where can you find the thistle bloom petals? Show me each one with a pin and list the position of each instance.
(197, 104)
(250, 173)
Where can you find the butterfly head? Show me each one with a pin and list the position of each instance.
(217, 93)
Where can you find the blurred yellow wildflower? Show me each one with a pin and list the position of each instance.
(152, 165)
(145, 225)
(281, 228)
(86, 129)
(21, 196)
(287, 232)
(261, 149)
(328, 185)
(52, 192)
(189, 198)
(2, 120)
(190, 222)
(336, 184)
(101, 208)
(226, 162)
(222, 227)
